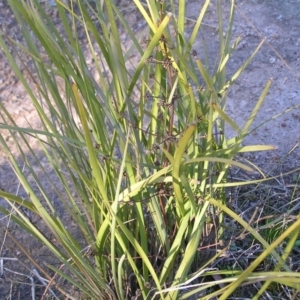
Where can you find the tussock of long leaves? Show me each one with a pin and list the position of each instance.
(148, 161)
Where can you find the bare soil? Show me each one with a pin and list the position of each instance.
(279, 58)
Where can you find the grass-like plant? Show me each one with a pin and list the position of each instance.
(145, 170)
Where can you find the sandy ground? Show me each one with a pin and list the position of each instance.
(279, 59)
(275, 20)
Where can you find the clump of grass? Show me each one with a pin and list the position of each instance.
(148, 161)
